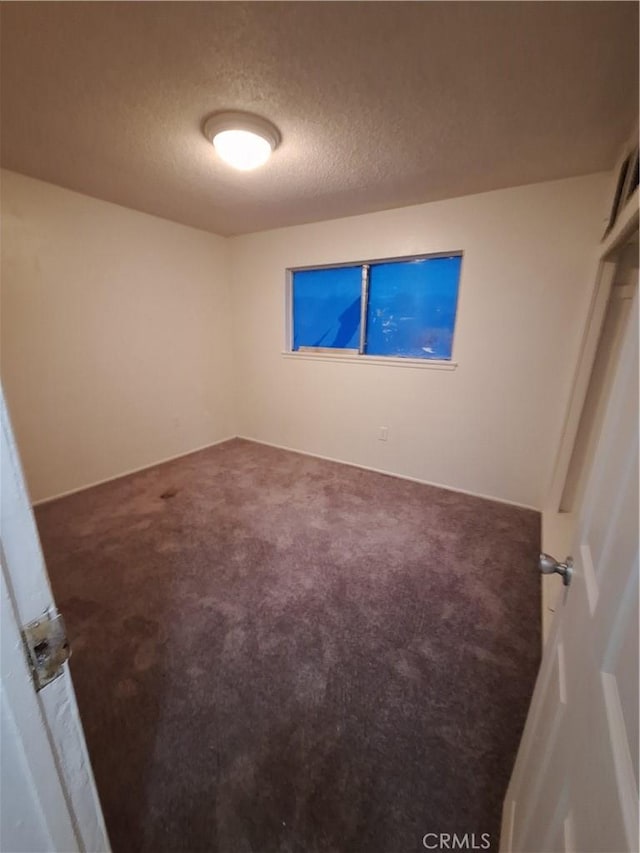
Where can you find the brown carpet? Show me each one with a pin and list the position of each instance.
(289, 655)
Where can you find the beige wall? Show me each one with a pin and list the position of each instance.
(115, 336)
(118, 349)
(492, 426)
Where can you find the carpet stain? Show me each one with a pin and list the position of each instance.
(169, 493)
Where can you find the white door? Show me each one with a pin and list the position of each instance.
(575, 782)
(48, 798)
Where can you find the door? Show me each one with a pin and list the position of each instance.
(575, 782)
(49, 801)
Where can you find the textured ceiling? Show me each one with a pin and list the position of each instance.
(379, 104)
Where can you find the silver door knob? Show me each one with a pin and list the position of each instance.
(549, 566)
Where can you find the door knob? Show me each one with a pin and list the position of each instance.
(549, 566)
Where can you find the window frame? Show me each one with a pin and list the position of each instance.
(354, 356)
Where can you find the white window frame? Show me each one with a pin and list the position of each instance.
(357, 356)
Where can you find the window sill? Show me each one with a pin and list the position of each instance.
(386, 361)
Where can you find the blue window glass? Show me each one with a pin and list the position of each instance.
(412, 307)
(326, 308)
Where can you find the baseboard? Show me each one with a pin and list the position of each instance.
(290, 450)
(130, 471)
(391, 473)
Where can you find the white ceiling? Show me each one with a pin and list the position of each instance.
(380, 104)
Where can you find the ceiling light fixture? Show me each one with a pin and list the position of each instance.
(242, 140)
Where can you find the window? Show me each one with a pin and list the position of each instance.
(401, 308)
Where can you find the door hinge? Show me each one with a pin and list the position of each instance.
(47, 647)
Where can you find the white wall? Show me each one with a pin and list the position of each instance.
(492, 426)
(116, 336)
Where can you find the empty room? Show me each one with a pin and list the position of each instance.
(319, 405)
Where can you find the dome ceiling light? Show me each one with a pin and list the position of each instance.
(244, 141)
